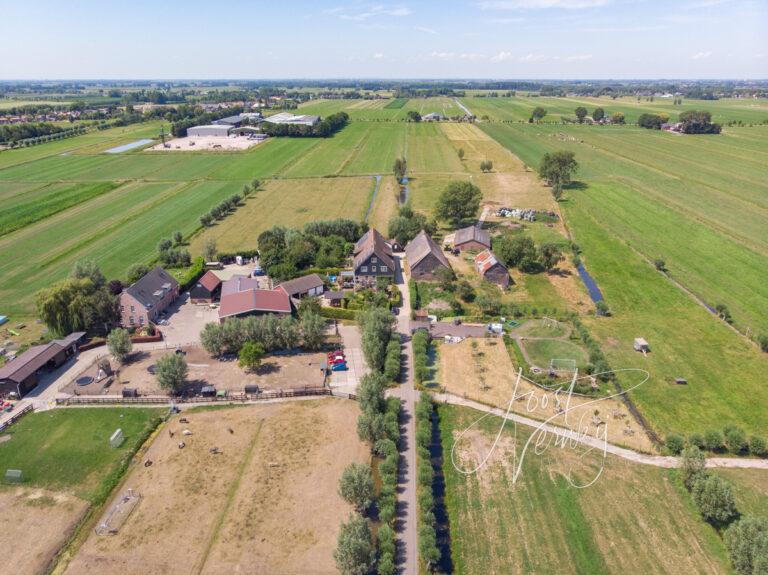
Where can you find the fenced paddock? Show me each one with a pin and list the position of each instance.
(13, 419)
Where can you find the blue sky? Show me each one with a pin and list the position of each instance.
(410, 39)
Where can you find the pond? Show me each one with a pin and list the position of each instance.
(130, 146)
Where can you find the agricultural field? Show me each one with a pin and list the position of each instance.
(385, 110)
(542, 524)
(266, 502)
(290, 203)
(68, 465)
(636, 205)
(518, 109)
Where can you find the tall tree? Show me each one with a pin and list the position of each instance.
(171, 372)
(119, 344)
(399, 168)
(458, 201)
(356, 486)
(537, 114)
(581, 113)
(557, 168)
(355, 553)
(598, 115)
(88, 269)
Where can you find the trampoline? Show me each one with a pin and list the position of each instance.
(84, 380)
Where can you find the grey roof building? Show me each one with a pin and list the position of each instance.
(143, 301)
(373, 256)
(472, 237)
(425, 257)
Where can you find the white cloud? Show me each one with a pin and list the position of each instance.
(502, 57)
(701, 55)
(364, 12)
(377, 56)
(578, 57)
(540, 4)
(425, 30)
(533, 58)
(449, 56)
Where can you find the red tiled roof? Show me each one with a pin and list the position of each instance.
(210, 281)
(264, 300)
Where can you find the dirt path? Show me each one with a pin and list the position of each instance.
(406, 489)
(624, 453)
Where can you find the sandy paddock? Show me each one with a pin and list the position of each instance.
(36, 523)
(276, 372)
(489, 378)
(206, 144)
(267, 503)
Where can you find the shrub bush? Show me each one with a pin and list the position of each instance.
(675, 443)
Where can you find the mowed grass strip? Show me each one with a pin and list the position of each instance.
(27, 212)
(396, 103)
(544, 524)
(69, 450)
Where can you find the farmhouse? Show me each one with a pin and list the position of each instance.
(491, 269)
(143, 301)
(207, 289)
(242, 296)
(286, 118)
(424, 257)
(472, 238)
(432, 117)
(21, 373)
(309, 285)
(372, 258)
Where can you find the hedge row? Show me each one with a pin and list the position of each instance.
(392, 362)
(338, 313)
(386, 502)
(428, 550)
(420, 343)
(732, 439)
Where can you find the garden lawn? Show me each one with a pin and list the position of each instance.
(69, 450)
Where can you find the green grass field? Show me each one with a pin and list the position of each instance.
(541, 351)
(686, 340)
(669, 196)
(518, 109)
(633, 519)
(68, 449)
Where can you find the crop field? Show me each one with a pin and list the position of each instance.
(686, 340)
(267, 502)
(396, 104)
(518, 109)
(542, 524)
(289, 203)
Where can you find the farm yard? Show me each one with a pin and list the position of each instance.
(265, 501)
(277, 372)
(543, 524)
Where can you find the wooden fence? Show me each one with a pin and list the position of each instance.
(15, 418)
(231, 398)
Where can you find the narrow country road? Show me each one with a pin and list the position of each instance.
(406, 496)
(624, 453)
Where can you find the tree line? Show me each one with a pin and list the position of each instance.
(323, 129)
(286, 252)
